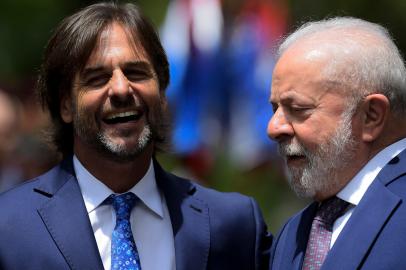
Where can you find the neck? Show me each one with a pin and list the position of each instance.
(119, 176)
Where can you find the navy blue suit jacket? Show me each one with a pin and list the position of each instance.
(373, 238)
(44, 225)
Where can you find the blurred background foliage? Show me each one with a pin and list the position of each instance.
(230, 151)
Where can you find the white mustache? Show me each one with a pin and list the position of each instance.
(291, 149)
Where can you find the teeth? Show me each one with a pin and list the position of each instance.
(122, 114)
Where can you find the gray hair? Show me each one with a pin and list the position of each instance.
(356, 63)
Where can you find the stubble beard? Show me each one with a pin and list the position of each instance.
(120, 152)
(89, 131)
(321, 173)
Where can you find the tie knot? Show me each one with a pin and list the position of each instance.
(331, 209)
(123, 204)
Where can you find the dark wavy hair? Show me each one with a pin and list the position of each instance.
(69, 48)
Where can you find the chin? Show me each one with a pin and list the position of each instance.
(122, 153)
(301, 191)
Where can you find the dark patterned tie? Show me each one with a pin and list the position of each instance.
(320, 233)
(124, 254)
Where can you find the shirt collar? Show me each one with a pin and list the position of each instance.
(94, 192)
(356, 188)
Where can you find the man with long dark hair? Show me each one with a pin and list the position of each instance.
(109, 204)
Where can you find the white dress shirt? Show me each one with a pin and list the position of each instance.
(356, 188)
(150, 220)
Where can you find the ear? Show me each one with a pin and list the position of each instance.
(66, 109)
(376, 109)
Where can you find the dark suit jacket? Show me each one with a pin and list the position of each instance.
(373, 238)
(44, 225)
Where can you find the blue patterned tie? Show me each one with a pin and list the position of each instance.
(124, 254)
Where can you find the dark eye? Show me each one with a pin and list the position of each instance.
(135, 75)
(298, 109)
(97, 81)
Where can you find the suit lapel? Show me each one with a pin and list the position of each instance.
(295, 242)
(66, 219)
(363, 228)
(190, 221)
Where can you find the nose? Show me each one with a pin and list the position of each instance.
(279, 126)
(119, 85)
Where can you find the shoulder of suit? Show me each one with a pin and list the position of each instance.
(393, 175)
(23, 187)
(209, 194)
(23, 191)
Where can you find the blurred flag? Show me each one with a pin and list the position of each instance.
(221, 63)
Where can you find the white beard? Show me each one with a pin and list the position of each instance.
(319, 175)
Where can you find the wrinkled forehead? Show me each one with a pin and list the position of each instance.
(115, 36)
(334, 51)
(304, 67)
(305, 60)
(337, 42)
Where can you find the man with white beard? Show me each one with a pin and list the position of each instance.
(339, 99)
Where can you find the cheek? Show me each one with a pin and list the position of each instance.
(313, 134)
(149, 93)
(357, 126)
(89, 102)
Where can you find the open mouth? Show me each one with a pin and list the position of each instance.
(123, 117)
(293, 158)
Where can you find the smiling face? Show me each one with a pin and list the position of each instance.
(116, 106)
(311, 123)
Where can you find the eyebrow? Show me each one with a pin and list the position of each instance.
(138, 64)
(286, 97)
(91, 70)
(289, 95)
(127, 65)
